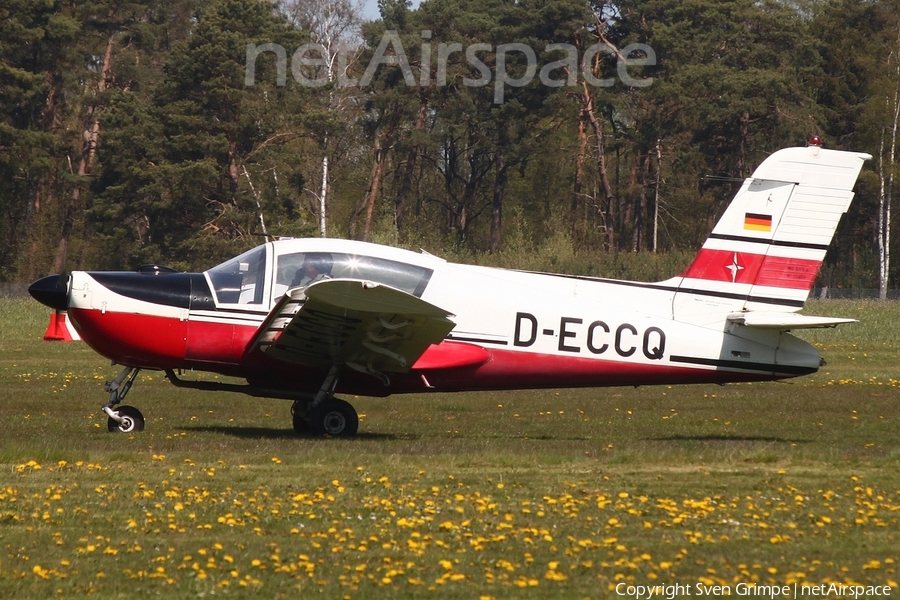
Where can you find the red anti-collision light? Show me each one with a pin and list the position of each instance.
(815, 141)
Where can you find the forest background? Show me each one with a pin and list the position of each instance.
(132, 131)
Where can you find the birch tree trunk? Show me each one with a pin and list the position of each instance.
(334, 24)
(886, 178)
(886, 181)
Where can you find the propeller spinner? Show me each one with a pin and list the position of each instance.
(51, 291)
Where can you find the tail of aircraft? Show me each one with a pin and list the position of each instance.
(766, 250)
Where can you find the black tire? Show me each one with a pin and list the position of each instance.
(334, 417)
(133, 421)
(301, 423)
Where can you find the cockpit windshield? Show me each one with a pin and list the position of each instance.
(241, 280)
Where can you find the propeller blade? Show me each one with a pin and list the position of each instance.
(62, 283)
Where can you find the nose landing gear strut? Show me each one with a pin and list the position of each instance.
(125, 419)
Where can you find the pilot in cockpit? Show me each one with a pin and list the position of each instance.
(316, 267)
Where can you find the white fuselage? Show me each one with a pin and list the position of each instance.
(539, 330)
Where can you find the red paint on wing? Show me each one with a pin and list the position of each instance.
(452, 355)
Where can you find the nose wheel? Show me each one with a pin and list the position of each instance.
(124, 419)
(129, 420)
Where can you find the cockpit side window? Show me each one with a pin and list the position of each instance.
(240, 280)
(296, 270)
(411, 279)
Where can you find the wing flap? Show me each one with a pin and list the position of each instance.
(366, 326)
(785, 321)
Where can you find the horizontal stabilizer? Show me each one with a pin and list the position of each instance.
(785, 321)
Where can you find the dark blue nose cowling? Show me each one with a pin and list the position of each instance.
(47, 290)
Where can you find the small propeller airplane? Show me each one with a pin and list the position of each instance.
(305, 319)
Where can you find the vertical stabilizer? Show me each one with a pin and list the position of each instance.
(766, 250)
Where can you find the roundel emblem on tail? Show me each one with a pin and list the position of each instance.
(735, 267)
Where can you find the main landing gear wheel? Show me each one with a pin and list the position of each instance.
(301, 421)
(132, 420)
(333, 417)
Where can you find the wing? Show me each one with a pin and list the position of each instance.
(359, 324)
(785, 321)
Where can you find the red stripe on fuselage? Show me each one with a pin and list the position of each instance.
(169, 343)
(165, 342)
(132, 339)
(524, 370)
(212, 342)
(758, 269)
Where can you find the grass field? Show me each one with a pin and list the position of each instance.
(545, 494)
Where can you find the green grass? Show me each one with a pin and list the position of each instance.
(540, 494)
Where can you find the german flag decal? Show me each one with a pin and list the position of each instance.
(758, 222)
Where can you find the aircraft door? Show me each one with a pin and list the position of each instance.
(219, 330)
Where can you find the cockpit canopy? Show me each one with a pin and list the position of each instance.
(249, 279)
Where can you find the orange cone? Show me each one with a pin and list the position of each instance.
(59, 329)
